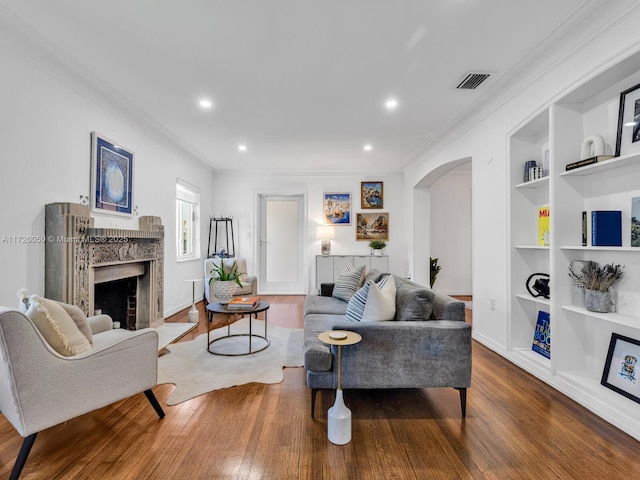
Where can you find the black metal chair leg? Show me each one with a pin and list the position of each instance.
(314, 391)
(463, 401)
(22, 456)
(154, 402)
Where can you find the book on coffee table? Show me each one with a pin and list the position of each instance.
(243, 303)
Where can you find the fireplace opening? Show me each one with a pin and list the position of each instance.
(118, 299)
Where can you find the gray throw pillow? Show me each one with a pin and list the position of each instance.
(413, 303)
(348, 282)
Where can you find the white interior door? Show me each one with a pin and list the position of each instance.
(281, 244)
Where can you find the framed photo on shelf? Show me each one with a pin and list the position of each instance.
(372, 226)
(371, 195)
(336, 209)
(111, 177)
(621, 367)
(628, 139)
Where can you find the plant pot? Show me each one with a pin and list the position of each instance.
(377, 251)
(223, 290)
(597, 301)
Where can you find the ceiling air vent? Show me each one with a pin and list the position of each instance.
(472, 81)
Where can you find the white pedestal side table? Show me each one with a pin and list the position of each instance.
(193, 313)
(339, 416)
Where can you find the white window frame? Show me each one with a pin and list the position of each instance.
(187, 194)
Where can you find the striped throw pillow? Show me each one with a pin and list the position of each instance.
(348, 282)
(355, 308)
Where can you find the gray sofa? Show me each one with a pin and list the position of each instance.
(412, 352)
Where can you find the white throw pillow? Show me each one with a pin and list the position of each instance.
(381, 301)
(57, 327)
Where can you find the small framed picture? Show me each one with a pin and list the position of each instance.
(371, 195)
(372, 226)
(111, 177)
(337, 209)
(628, 139)
(621, 367)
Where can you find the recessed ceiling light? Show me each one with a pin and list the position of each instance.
(391, 103)
(630, 124)
(367, 148)
(204, 103)
(242, 148)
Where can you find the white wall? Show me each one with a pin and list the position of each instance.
(235, 194)
(45, 127)
(485, 142)
(450, 236)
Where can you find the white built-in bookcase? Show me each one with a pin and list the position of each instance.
(579, 338)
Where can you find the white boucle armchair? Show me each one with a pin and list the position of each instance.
(40, 388)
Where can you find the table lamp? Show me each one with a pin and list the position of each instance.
(325, 234)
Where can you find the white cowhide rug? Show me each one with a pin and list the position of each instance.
(195, 371)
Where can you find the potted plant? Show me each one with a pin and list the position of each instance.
(597, 282)
(224, 280)
(377, 246)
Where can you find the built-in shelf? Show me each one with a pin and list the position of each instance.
(529, 298)
(604, 249)
(531, 357)
(610, 164)
(540, 182)
(532, 247)
(617, 318)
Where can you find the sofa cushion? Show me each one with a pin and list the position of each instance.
(317, 355)
(328, 305)
(413, 303)
(356, 306)
(374, 275)
(348, 282)
(57, 327)
(381, 301)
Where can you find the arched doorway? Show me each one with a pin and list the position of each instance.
(442, 227)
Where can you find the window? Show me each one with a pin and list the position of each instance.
(188, 221)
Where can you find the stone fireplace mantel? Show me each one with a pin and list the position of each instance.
(76, 253)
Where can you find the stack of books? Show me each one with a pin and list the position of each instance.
(243, 303)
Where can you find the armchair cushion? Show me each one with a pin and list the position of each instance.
(79, 319)
(57, 327)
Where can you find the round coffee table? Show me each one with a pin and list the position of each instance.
(263, 341)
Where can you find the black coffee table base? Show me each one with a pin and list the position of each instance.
(238, 344)
(253, 339)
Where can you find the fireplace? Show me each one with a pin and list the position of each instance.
(93, 267)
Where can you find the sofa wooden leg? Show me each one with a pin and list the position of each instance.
(463, 401)
(22, 456)
(154, 402)
(314, 391)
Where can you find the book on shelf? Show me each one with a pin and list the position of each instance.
(543, 225)
(246, 303)
(585, 228)
(606, 228)
(635, 221)
(588, 161)
(542, 335)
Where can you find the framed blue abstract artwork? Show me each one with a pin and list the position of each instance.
(111, 177)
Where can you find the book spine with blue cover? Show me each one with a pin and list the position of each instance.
(542, 335)
(606, 228)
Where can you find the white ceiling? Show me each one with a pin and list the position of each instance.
(301, 82)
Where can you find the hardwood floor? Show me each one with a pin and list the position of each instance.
(516, 428)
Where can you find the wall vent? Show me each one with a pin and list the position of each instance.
(472, 81)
